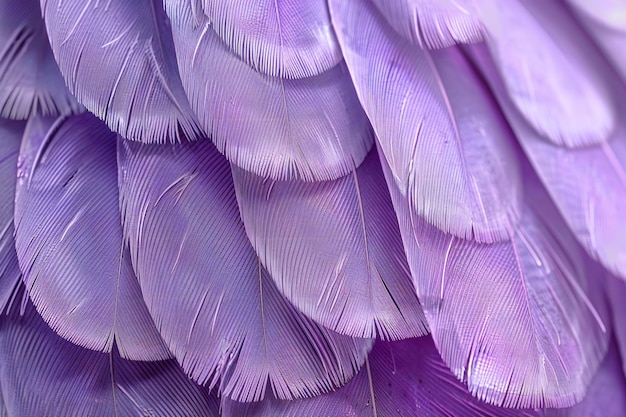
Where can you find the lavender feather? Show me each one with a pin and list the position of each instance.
(310, 129)
(68, 238)
(125, 72)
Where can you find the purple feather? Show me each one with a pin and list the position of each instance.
(44, 375)
(521, 322)
(592, 200)
(30, 81)
(125, 70)
(216, 307)
(433, 23)
(310, 129)
(406, 378)
(10, 276)
(334, 250)
(616, 291)
(447, 144)
(68, 238)
(282, 38)
(550, 71)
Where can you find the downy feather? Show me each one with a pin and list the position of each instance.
(433, 24)
(588, 185)
(282, 38)
(310, 129)
(217, 309)
(10, 276)
(522, 322)
(334, 250)
(68, 238)
(406, 378)
(447, 144)
(30, 81)
(118, 59)
(44, 375)
(550, 71)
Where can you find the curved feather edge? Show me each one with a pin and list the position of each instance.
(68, 238)
(10, 275)
(45, 375)
(605, 22)
(125, 72)
(404, 378)
(616, 293)
(521, 322)
(447, 144)
(591, 200)
(433, 24)
(334, 250)
(30, 81)
(311, 129)
(552, 72)
(289, 38)
(214, 304)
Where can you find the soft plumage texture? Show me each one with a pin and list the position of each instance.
(286, 38)
(216, 307)
(605, 21)
(334, 250)
(433, 23)
(447, 144)
(523, 322)
(124, 71)
(30, 81)
(10, 276)
(311, 128)
(405, 378)
(68, 238)
(44, 375)
(592, 200)
(550, 71)
(616, 292)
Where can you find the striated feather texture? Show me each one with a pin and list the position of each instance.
(550, 71)
(124, 72)
(281, 38)
(216, 307)
(68, 237)
(522, 322)
(405, 378)
(446, 142)
(309, 129)
(44, 375)
(30, 81)
(433, 23)
(616, 292)
(10, 275)
(334, 250)
(592, 200)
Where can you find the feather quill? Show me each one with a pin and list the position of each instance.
(310, 129)
(522, 322)
(44, 375)
(125, 71)
(334, 250)
(30, 81)
(68, 238)
(448, 146)
(284, 38)
(215, 305)
(550, 71)
(433, 24)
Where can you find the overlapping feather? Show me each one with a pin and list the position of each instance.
(124, 69)
(334, 250)
(284, 38)
(311, 128)
(215, 305)
(30, 81)
(68, 238)
(445, 141)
